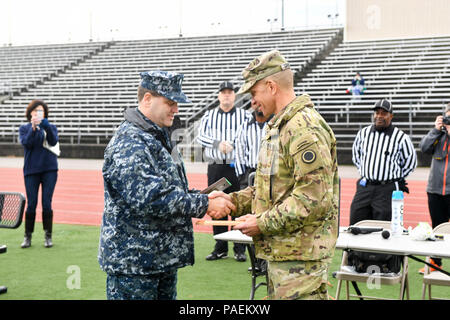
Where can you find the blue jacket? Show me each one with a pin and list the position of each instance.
(38, 159)
(146, 226)
(356, 82)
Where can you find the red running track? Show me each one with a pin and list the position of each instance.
(78, 197)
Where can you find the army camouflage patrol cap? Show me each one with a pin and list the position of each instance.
(165, 83)
(261, 67)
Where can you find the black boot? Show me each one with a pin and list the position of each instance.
(48, 240)
(26, 241)
(29, 228)
(47, 223)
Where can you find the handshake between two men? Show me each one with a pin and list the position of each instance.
(220, 205)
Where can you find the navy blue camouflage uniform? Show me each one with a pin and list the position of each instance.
(146, 232)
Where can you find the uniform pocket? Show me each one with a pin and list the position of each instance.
(267, 167)
(307, 155)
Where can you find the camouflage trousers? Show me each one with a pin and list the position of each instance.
(160, 286)
(298, 280)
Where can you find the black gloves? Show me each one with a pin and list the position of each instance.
(402, 185)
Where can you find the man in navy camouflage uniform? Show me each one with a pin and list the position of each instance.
(146, 232)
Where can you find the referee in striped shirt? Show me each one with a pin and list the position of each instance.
(384, 156)
(217, 134)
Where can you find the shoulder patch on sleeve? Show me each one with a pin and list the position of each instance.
(309, 156)
(306, 154)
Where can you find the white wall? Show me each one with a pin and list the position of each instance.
(396, 19)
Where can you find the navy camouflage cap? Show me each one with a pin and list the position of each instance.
(165, 83)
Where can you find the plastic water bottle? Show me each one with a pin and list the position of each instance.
(397, 213)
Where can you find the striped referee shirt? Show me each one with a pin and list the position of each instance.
(248, 141)
(383, 156)
(216, 126)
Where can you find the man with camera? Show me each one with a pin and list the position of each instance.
(437, 143)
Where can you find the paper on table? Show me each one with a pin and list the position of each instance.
(217, 223)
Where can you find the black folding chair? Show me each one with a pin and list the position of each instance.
(253, 260)
(12, 206)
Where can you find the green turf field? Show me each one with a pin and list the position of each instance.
(70, 270)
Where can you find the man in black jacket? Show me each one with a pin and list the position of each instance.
(437, 143)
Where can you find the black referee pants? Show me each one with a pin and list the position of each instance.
(372, 202)
(216, 172)
(439, 207)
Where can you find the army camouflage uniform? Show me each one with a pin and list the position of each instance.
(146, 232)
(294, 197)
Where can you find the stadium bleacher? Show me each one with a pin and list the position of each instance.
(413, 73)
(25, 66)
(87, 98)
(87, 86)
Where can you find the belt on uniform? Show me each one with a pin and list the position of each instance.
(375, 183)
(221, 163)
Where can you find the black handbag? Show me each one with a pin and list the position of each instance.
(368, 262)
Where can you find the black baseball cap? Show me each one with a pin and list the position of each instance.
(383, 104)
(226, 85)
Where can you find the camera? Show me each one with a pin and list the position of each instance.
(446, 120)
(40, 114)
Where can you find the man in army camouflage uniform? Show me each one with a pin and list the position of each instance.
(146, 232)
(294, 200)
